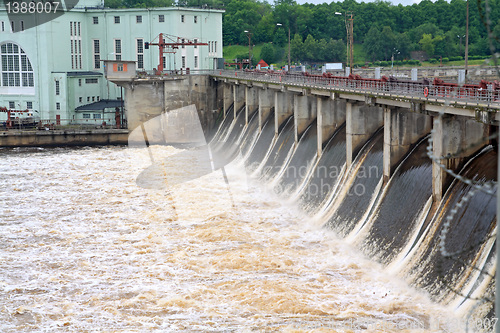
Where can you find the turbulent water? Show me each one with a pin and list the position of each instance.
(83, 248)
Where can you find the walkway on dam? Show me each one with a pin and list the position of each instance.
(466, 96)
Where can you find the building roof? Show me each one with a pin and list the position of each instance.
(101, 105)
(84, 73)
(262, 63)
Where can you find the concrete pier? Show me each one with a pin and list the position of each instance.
(458, 137)
(331, 115)
(402, 129)
(304, 113)
(239, 97)
(266, 103)
(283, 108)
(362, 121)
(251, 102)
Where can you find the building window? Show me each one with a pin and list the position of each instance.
(29, 105)
(140, 53)
(58, 106)
(76, 44)
(97, 116)
(12, 105)
(183, 41)
(93, 98)
(16, 67)
(58, 90)
(22, 25)
(80, 99)
(215, 47)
(2, 26)
(161, 18)
(138, 19)
(196, 19)
(86, 116)
(117, 19)
(97, 54)
(182, 18)
(88, 98)
(183, 62)
(118, 49)
(98, 98)
(95, 20)
(79, 82)
(195, 61)
(89, 81)
(195, 42)
(12, 26)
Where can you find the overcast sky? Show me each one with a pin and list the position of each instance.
(394, 2)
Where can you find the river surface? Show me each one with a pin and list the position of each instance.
(84, 248)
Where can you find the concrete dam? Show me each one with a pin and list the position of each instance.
(410, 180)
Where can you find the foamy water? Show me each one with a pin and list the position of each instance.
(83, 248)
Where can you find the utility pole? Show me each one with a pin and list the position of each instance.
(466, 40)
(249, 34)
(349, 22)
(289, 61)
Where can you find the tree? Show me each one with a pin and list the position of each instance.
(310, 48)
(297, 48)
(427, 44)
(372, 44)
(268, 53)
(280, 38)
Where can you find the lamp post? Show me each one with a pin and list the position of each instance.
(249, 34)
(466, 40)
(394, 51)
(461, 36)
(349, 26)
(289, 62)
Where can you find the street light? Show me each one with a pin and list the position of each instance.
(249, 34)
(349, 24)
(394, 51)
(461, 36)
(289, 62)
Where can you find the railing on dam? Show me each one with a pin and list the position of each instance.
(444, 93)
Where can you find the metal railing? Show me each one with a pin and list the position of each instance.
(419, 90)
(173, 73)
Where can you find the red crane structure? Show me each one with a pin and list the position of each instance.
(9, 111)
(170, 44)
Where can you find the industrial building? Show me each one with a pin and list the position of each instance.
(54, 71)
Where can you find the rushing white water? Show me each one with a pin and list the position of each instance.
(82, 247)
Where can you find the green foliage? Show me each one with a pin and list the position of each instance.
(379, 27)
(427, 44)
(268, 53)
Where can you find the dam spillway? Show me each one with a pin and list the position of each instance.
(399, 213)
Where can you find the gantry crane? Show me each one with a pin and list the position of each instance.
(170, 44)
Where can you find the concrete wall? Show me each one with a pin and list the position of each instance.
(304, 113)
(63, 138)
(402, 129)
(331, 115)
(459, 137)
(147, 99)
(362, 121)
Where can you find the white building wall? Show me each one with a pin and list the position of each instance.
(48, 48)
